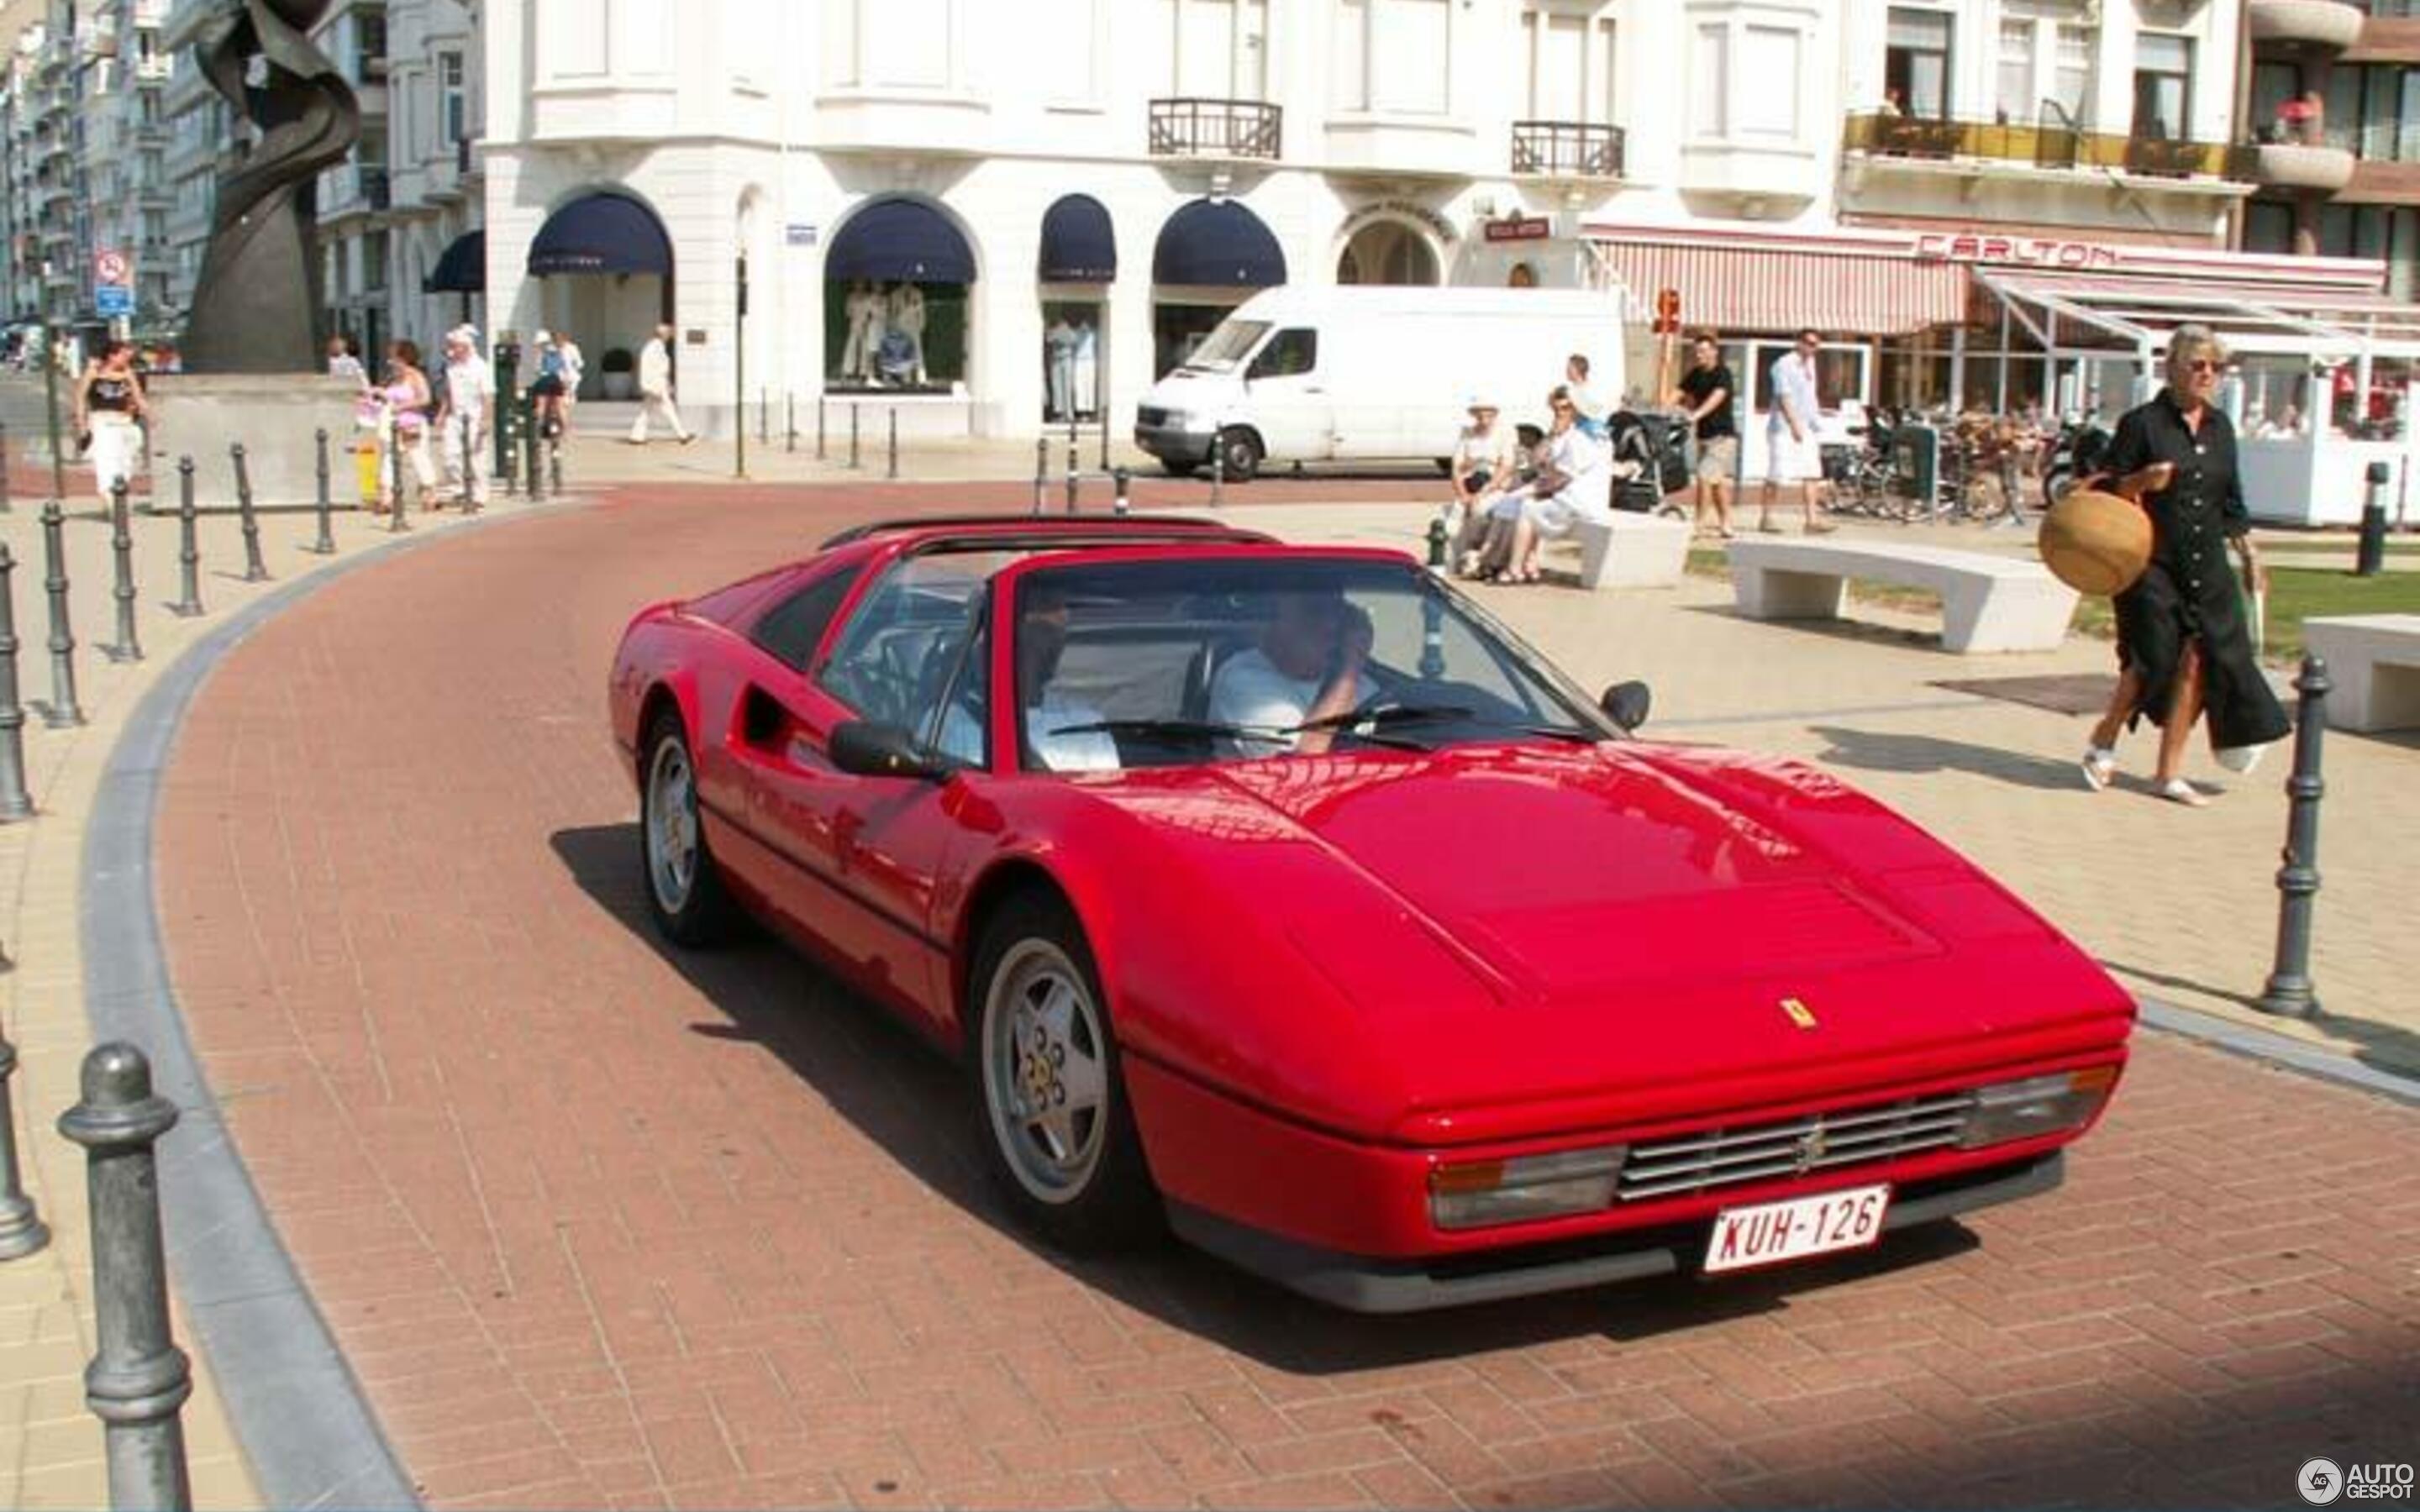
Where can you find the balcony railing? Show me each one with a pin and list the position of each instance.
(1214, 128)
(1567, 149)
(2043, 145)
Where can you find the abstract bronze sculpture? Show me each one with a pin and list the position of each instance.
(257, 303)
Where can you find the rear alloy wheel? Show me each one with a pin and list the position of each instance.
(684, 891)
(1048, 1084)
(1240, 453)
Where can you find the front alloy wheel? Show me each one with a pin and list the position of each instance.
(684, 893)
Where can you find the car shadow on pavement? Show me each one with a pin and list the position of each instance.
(1876, 750)
(891, 1086)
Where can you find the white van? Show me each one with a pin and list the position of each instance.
(1374, 374)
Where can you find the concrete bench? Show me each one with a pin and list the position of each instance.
(2374, 665)
(1632, 551)
(1989, 603)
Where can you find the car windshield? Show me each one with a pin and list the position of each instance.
(1229, 345)
(1193, 660)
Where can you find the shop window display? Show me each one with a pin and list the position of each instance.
(895, 336)
(1071, 365)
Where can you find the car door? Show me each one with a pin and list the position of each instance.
(1286, 392)
(864, 856)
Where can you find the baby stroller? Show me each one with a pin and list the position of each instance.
(1650, 460)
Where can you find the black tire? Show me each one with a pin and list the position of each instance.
(1242, 453)
(701, 911)
(1100, 1195)
(1178, 470)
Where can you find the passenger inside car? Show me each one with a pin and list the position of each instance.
(1311, 663)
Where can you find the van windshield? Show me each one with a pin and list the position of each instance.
(1229, 345)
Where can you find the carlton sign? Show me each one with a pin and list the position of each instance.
(2022, 252)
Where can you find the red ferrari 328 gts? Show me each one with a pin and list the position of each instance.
(1277, 895)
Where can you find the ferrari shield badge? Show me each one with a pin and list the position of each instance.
(1799, 1013)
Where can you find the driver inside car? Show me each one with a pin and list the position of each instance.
(1310, 663)
(1054, 736)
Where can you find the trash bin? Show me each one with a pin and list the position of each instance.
(367, 467)
(1916, 461)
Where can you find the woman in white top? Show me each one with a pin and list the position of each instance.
(1575, 482)
(1481, 465)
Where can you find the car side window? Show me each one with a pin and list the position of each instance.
(791, 629)
(899, 650)
(1289, 354)
(964, 733)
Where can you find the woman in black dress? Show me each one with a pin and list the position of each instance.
(2183, 648)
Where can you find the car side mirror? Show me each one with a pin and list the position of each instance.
(1626, 704)
(862, 747)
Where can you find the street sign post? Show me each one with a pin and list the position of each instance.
(110, 266)
(113, 301)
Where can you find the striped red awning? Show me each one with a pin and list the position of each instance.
(1848, 293)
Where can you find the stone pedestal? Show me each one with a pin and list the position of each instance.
(273, 414)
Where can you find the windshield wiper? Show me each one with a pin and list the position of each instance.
(1173, 729)
(1380, 719)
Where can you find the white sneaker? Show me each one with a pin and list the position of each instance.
(2100, 766)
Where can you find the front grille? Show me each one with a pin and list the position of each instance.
(1150, 415)
(1711, 1158)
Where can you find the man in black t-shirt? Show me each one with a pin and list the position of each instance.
(1706, 391)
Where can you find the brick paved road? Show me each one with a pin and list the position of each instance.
(600, 1225)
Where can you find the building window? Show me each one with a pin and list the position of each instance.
(1219, 49)
(452, 101)
(2072, 74)
(1916, 63)
(369, 45)
(1571, 63)
(2268, 226)
(2015, 92)
(1709, 83)
(1394, 55)
(2163, 86)
(374, 262)
(893, 44)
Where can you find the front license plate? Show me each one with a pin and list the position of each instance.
(1772, 1232)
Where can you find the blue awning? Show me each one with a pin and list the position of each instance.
(1217, 242)
(1079, 244)
(601, 234)
(461, 269)
(900, 238)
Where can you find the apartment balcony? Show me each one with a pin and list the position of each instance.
(1572, 150)
(1885, 143)
(355, 190)
(2326, 26)
(152, 14)
(2314, 167)
(1250, 129)
(157, 68)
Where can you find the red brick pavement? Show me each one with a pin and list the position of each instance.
(600, 1225)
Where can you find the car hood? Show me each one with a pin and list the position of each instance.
(1554, 922)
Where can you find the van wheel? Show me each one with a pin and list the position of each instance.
(1240, 452)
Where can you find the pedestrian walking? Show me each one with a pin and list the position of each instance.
(1791, 452)
(2183, 648)
(1706, 391)
(343, 364)
(656, 389)
(110, 412)
(463, 416)
(575, 367)
(404, 404)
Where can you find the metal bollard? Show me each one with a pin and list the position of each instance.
(21, 1229)
(1074, 479)
(326, 544)
(554, 468)
(507, 444)
(189, 551)
(2289, 990)
(254, 570)
(531, 442)
(15, 803)
(2370, 560)
(394, 521)
(789, 421)
(893, 467)
(471, 466)
(1437, 535)
(63, 710)
(820, 427)
(1119, 478)
(138, 1379)
(1218, 473)
(5, 506)
(852, 436)
(129, 645)
(1041, 469)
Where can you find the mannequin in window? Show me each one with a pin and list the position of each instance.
(864, 310)
(1086, 388)
(1058, 367)
(907, 313)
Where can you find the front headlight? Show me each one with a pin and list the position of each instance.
(1480, 1194)
(2036, 1105)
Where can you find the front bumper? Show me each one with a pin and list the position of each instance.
(1174, 443)
(1363, 1285)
